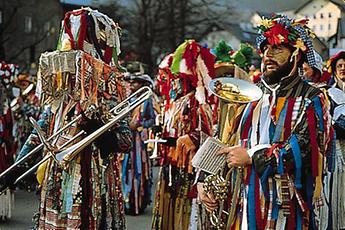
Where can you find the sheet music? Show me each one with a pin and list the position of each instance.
(206, 158)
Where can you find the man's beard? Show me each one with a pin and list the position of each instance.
(274, 77)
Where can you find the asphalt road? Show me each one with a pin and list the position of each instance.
(26, 204)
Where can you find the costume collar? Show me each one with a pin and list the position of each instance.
(286, 83)
(339, 83)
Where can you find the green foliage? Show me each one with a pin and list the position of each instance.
(222, 51)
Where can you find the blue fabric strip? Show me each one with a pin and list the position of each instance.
(126, 188)
(297, 159)
(298, 219)
(272, 128)
(318, 109)
(280, 125)
(275, 209)
(264, 181)
(251, 200)
(281, 162)
(332, 155)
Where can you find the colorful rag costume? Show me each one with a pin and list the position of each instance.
(335, 181)
(7, 146)
(136, 172)
(290, 135)
(87, 195)
(182, 83)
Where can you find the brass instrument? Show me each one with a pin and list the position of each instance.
(234, 95)
(63, 154)
(15, 103)
(157, 140)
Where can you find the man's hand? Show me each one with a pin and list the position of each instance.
(236, 156)
(207, 199)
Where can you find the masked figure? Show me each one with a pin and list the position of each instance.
(82, 189)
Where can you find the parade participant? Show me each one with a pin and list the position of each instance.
(182, 82)
(231, 62)
(83, 191)
(7, 149)
(313, 74)
(136, 166)
(291, 132)
(25, 105)
(336, 180)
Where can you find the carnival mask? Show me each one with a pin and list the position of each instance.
(276, 62)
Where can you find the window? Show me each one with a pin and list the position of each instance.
(321, 27)
(329, 14)
(314, 16)
(329, 26)
(321, 15)
(47, 28)
(28, 24)
(314, 27)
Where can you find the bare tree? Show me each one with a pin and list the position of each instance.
(27, 28)
(156, 27)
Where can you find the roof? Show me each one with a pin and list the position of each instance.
(77, 2)
(269, 6)
(339, 3)
(341, 28)
(302, 6)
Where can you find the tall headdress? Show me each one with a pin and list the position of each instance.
(92, 32)
(194, 64)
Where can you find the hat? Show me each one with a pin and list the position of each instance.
(139, 77)
(333, 60)
(282, 30)
(318, 62)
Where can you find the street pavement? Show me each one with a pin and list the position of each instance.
(26, 204)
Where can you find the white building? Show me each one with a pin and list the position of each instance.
(324, 16)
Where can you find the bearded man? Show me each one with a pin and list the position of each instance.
(284, 137)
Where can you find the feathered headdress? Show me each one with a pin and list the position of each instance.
(194, 65)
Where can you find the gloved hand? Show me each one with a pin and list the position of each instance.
(184, 152)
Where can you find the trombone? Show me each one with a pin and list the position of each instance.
(59, 154)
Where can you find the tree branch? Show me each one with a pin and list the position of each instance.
(27, 47)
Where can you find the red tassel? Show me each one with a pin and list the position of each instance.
(209, 60)
(259, 221)
(313, 141)
(190, 55)
(108, 54)
(291, 221)
(248, 122)
(68, 30)
(287, 125)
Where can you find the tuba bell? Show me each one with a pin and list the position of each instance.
(233, 95)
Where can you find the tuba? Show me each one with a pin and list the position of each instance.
(233, 95)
